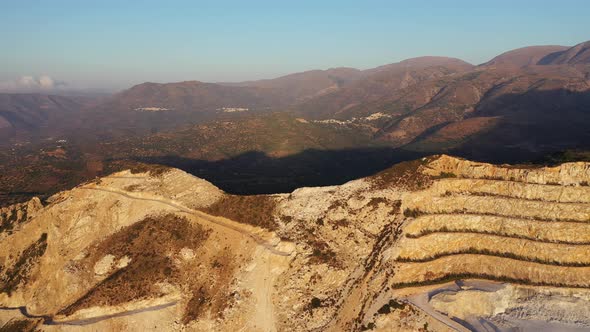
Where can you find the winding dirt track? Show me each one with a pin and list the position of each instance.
(271, 248)
(48, 320)
(422, 300)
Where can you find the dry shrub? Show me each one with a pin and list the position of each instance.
(21, 270)
(21, 325)
(257, 210)
(146, 242)
(152, 169)
(405, 175)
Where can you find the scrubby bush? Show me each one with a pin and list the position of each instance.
(445, 175)
(412, 213)
(315, 303)
(257, 210)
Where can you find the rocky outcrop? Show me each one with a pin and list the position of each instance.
(577, 173)
(12, 216)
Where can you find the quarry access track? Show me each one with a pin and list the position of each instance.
(49, 320)
(201, 215)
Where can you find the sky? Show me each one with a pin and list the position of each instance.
(114, 44)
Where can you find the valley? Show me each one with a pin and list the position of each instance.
(306, 129)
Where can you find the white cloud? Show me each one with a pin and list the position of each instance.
(46, 82)
(31, 84)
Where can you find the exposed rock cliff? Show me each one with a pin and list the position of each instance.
(11, 217)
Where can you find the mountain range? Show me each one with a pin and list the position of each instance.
(321, 94)
(327, 200)
(520, 106)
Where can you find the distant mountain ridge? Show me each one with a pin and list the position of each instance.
(305, 85)
(320, 125)
(544, 55)
(525, 56)
(190, 95)
(25, 113)
(377, 84)
(579, 54)
(435, 101)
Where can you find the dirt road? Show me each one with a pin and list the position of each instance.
(196, 213)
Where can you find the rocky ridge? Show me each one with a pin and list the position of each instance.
(158, 249)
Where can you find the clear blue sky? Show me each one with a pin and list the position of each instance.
(116, 43)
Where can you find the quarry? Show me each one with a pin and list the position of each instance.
(436, 244)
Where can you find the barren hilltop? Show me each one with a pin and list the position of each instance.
(435, 244)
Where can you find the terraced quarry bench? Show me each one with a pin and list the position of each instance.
(529, 226)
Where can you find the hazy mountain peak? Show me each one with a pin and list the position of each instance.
(430, 60)
(154, 84)
(524, 56)
(423, 62)
(578, 54)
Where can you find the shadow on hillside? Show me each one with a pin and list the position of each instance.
(531, 125)
(255, 172)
